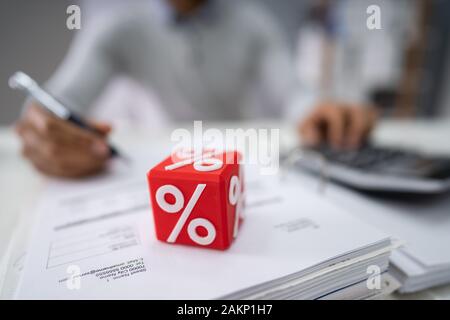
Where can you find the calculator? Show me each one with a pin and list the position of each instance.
(382, 169)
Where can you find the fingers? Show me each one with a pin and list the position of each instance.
(61, 132)
(66, 163)
(310, 131)
(56, 147)
(335, 122)
(325, 124)
(103, 128)
(341, 126)
(358, 127)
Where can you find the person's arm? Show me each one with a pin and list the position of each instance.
(56, 147)
(89, 65)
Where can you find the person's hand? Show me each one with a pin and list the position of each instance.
(340, 125)
(59, 148)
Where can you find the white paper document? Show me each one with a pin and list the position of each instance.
(422, 224)
(96, 240)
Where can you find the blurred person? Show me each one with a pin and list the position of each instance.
(206, 60)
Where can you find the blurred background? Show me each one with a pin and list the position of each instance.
(404, 67)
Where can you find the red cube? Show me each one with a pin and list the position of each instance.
(197, 200)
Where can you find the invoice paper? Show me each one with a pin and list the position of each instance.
(95, 240)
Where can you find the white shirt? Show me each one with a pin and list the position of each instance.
(227, 61)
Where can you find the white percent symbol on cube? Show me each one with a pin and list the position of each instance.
(200, 163)
(177, 206)
(236, 198)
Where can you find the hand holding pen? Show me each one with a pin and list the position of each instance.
(56, 141)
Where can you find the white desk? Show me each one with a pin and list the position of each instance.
(20, 185)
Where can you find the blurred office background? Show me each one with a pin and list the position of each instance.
(33, 38)
(404, 67)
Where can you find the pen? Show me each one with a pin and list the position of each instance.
(24, 82)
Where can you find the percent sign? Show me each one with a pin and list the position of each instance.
(236, 198)
(204, 162)
(177, 206)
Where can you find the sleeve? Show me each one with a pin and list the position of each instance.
(87, 67)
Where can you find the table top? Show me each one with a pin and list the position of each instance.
(21, 185)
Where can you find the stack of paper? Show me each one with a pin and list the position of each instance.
(95, 240)
(326, 230)
(424, 261)
(414, 275)
(423, 225)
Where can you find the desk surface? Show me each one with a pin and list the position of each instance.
(20, 184)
